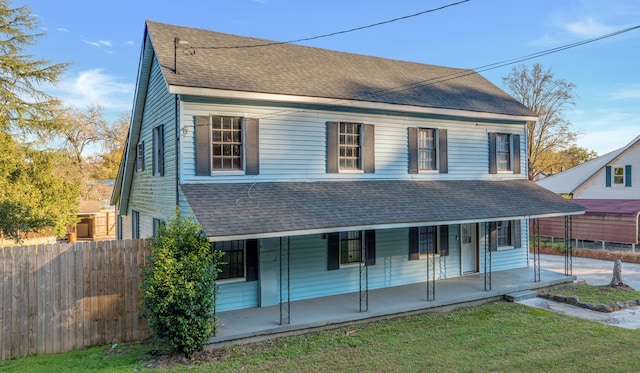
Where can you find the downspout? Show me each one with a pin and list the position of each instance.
(177, 118)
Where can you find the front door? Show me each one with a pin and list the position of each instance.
(469, 247)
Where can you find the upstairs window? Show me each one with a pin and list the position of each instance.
(618, 176)
(135, 224)
(504, 153)
(140, 156)
(428, 150)
(158, 151)
(350, 147)
(226, 144)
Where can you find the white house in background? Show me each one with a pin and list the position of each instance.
(609, 188)
(326, 172)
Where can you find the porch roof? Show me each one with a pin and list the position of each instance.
(273, 209)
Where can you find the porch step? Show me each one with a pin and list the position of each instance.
(520, 295)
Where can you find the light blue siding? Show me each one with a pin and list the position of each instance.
(237, 295)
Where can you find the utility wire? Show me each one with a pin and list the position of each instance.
(334, 33)
(463, 73)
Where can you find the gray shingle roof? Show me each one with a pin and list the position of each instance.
(267, 208)
(291, 69)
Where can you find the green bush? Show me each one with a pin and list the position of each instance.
(179, 284)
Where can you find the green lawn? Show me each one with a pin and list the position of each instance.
(500, 337)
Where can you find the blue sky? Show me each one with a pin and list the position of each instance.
(102, 40)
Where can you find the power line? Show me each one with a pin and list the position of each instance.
(333, 33)
(458, 75)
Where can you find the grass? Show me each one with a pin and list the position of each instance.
(500, 337)
(595, 294)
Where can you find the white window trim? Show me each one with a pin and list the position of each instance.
(360, 146)
(511, 151)
(244, 149)
(437, 254)
(613, 177)
(435, 170)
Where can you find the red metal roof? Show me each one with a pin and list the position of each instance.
(610, 206)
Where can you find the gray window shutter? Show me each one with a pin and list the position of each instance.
(413, 150)
(516, 154)
(516, 233)
(203, 145)
(252, 148)
(414, 243)
(444, 240)
(333, 145)
(493, 167)
(607, 175)
(368, 149)
(370, 246)
(443, 158)
(627, 175)
(493, 232)
(251, 253)
(333, 251)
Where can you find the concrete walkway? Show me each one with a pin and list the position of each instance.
(260, 323)
(594, 272)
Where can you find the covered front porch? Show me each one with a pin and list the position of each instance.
(254, 324)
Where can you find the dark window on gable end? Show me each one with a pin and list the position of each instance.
(140, 156)
(157, 223)
(157, 156)
(135, 224)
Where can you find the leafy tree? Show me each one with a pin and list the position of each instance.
(36, 191)
(24, 107)
(113, 138)
(548, 97)
(178, 286)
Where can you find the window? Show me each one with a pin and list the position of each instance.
(429, 240)
(232, 259)
(618, 176)
(158, 151)
(157, 223)
(350, 247)
(135, 224)
(140, 156)
(350, 147)
(504, 153)
(428, 150)
(239, 260)
(505, 234)
(226, 144)
(346, 248)
(119, 228)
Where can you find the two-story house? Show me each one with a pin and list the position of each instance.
(321, 172)
(609, 190)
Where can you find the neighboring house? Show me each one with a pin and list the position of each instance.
(609, 189)
(94, 222)
(320, 172)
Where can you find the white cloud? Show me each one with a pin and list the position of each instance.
(626, 93)
(588, 28)
(105, 43)
(99, 43)
(607, 129)
(92, 43)
(94, 87)
(129, 42)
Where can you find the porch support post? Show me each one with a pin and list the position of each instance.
(431, 278)
(535, 230)
(285, 289)
(487, 257)
(364, 278)
(568, 248)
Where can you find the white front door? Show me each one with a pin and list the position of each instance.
(468, 246)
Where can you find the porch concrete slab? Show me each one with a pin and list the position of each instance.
(260, 323)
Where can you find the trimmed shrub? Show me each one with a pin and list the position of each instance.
(179, 284)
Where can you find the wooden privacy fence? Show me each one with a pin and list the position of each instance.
(64, 296)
